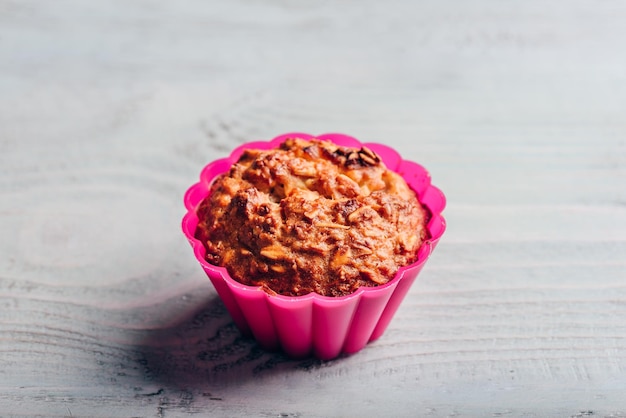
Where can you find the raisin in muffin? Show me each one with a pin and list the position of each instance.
(311, 216)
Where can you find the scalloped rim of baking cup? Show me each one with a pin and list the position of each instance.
(317, 325)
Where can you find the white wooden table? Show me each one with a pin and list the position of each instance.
(108, 110)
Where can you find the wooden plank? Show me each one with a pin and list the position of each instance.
(109, 110)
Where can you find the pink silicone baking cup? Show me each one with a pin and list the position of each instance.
(322, 326)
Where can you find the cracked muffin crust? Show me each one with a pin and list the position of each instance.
(311, 216)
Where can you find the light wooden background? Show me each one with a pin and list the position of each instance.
(109, 109)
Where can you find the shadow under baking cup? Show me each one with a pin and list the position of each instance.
(317, 325)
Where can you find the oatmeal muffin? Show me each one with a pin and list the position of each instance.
(311, 216)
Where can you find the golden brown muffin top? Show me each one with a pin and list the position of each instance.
(311, 216)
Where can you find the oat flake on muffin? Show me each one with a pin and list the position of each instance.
(311, 216)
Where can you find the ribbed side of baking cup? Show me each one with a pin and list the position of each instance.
(322, 326)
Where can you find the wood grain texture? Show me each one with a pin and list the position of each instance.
(108, 110)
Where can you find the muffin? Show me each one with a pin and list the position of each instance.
(311, 216)
(313, 242)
